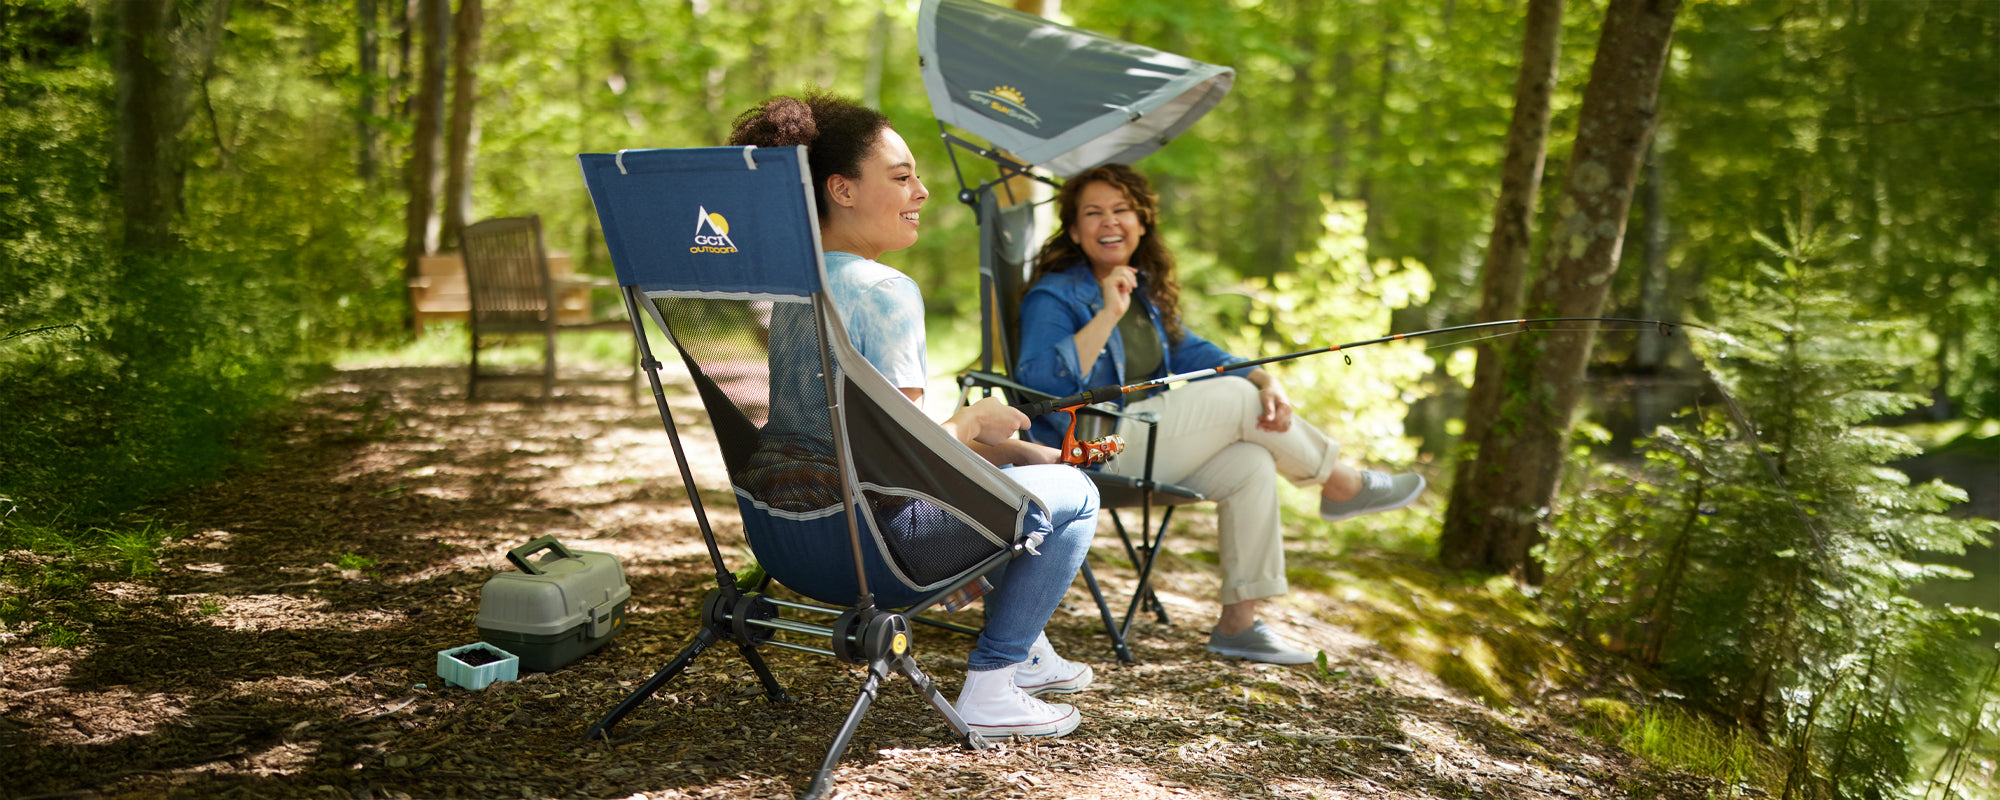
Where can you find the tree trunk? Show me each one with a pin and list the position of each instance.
(1649, 354)
(404, 98)
(149, 121)
(1372, 136)
(878, 50)
(461, 149)
(423, 179)
(368, 63)
(1503, 278)
(1496, 522)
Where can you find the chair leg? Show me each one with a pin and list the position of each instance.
(702, 639)
(928, 688)
(823, 779)
(1159, 536)
(713, 629)
(472, 375)
(632, 383)
(1143, 555)
(878, 671)
(548, 364)
(1118, 645)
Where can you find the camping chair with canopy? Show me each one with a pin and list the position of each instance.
(1049, 96)
(719, 247)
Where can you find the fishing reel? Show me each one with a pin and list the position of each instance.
(1092, 452)
(1088, 452)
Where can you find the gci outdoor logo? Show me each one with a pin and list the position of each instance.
(717, 238)
(1008, 101)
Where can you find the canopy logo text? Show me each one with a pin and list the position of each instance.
(717, 240)
(1009, 101)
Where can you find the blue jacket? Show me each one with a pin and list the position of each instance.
(1060, 304)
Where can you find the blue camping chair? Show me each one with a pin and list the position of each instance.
(720, 248)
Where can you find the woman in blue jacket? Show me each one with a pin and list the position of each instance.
(1104, 309)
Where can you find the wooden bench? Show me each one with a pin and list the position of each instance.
(504, 284)
(439, 292)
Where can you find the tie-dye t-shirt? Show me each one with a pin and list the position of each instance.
(884, 315)
(792, 469)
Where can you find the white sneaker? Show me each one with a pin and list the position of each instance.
(995, 708)
(1047, 673)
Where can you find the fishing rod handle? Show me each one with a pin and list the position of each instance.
(1036, 408)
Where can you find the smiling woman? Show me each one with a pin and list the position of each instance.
(1104, 310)
(870, 202)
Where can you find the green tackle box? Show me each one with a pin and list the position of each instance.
(557, 608)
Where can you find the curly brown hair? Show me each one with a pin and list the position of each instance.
(1152, 258)
(838, 133)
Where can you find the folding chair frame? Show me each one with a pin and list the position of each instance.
(865, 635)
(739, 611)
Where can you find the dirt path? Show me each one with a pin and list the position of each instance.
(254, 665)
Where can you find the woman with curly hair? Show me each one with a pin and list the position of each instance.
(869, 199)
(1103, 309)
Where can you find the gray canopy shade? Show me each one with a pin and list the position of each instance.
(1054, 96)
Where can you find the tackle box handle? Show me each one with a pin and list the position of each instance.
(519, 555)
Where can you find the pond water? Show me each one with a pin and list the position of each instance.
(1979, 476)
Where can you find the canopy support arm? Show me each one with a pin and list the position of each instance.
(1009, 168)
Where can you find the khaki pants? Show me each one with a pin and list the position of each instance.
(1209, 441)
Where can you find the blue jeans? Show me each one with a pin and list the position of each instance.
(1027, 590)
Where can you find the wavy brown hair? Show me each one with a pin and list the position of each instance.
(1152, 258)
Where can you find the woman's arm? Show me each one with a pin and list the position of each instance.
(1048, 360)
(989, 422)
(989, 431)
(1116, 290)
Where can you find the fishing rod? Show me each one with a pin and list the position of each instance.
(1095, 451)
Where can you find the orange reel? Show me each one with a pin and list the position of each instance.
(1088, 453)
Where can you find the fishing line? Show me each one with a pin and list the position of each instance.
(1098, 450)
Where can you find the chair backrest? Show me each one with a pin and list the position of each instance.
(826, 459)
(507, 274)
(1006, 253)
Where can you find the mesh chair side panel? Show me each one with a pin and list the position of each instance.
(927, 510)
(758, 367)
(724, 344)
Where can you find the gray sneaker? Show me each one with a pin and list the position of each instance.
(1379, 492)
(1258, 643)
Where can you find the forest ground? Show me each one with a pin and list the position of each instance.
(286, 648)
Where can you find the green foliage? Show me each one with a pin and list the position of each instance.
(49, 573)
(126, 373)
(1876, 121)
(1671, 737)
(350, 561)
(1335, 295)
(1764, 555)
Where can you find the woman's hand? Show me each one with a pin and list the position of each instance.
(1117, 286)
(987, 422)
(1277, 416)
(1019, 453)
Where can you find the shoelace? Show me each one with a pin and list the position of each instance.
(1372, 480)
